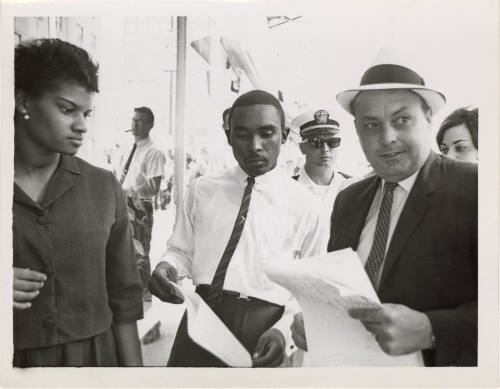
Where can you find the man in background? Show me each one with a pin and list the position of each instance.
(320, 145)
(140, 174)
(221, 157)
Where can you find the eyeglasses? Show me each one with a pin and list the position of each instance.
(318, 143)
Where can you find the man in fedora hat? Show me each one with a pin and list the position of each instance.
(413, 224)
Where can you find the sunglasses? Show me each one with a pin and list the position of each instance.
(318, 143)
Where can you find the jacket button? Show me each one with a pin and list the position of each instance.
(49, 322)
(42, 220)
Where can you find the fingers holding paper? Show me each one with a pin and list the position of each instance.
(162, 284)
(270, 349)
(397, 329)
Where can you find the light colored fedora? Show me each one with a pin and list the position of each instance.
(385, 76)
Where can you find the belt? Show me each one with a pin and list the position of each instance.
(203, 289)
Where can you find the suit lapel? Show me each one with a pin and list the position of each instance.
(349, 232)
(414, 210)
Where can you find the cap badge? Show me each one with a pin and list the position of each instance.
(321, 116)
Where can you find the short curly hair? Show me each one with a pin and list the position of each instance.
(467, 116)
(256, 97)
(43, 64)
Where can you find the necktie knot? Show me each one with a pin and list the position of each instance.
(390, 186)
(251, 181)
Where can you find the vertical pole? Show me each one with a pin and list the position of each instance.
(180, 101)
(52, 27)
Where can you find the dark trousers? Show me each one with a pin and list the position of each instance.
(142, 223)
(247, 319)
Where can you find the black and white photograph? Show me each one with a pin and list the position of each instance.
(191, 186)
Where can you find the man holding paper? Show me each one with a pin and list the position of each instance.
(232, 222)
(414, 224)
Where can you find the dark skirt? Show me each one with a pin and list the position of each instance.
(97, 351)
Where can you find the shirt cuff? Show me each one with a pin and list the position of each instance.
(182, 270)
(130, 314)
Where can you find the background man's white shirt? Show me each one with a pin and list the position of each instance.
(148, 162)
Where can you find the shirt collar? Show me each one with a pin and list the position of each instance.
(305, 179)
(270, 176)
(69, 163)
(144, 142)
(407, 183)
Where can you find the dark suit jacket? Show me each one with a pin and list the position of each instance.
(431, 263)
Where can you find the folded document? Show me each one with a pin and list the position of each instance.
(206, 329)
(326, 287)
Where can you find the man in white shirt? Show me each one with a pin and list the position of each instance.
(320, 145)
(281, 222)
(140, 174)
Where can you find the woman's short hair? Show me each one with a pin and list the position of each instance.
(43, 64)
(467, 116)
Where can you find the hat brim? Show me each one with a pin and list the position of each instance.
(434, 99)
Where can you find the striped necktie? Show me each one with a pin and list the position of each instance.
(127, 165)
(215, 291)
(377, 252)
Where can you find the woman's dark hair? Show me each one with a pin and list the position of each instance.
(467, 116)
(43, 64)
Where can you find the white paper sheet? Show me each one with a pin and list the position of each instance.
(326, 287)
(206, 329)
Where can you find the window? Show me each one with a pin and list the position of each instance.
(80, 34)
(59, 24)
(92, 41)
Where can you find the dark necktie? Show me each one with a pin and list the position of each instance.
(125, 169)
(215, 290)
(377, 252)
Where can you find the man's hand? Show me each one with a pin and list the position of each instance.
(298, 333)
(270, 350)
(162, 285)
(27, 285)
(397, 329)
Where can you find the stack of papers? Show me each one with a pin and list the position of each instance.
(326, 287)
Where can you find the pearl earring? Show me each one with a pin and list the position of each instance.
(26, 116)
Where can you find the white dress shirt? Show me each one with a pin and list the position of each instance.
(283, 222)
(325, 194)
(400, 195)
(148, 162)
